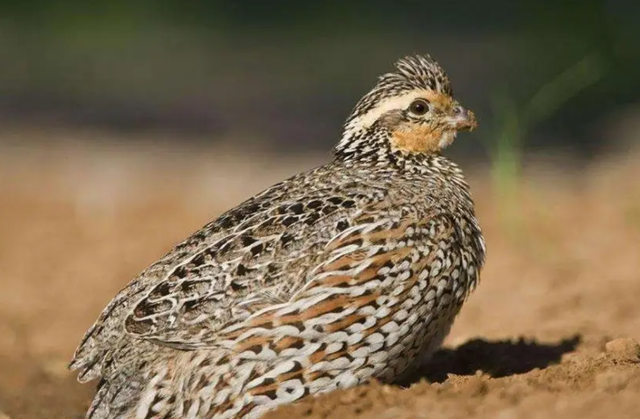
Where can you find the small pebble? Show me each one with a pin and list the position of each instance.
(573, 358)
(623, 349)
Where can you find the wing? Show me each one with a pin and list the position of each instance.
(378, 284)
(259, 264)
(252, 257)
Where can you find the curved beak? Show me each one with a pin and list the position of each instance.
(462, 119)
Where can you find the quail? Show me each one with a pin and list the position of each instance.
(352, 270)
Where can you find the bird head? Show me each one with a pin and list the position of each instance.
(412, 106)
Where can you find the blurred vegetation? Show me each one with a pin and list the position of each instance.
(283, 70)
(513, 121)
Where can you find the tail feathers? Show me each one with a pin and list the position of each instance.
(89, 358)
(170, 384)
(92, 354)
(108, 331)
(105, 361)
(99, 408)
(117, 396)
(89, 371)
(138, 388)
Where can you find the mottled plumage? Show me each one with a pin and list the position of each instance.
(352, 270)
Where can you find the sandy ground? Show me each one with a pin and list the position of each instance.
(549, 333)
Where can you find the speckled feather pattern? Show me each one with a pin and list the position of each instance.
(352, 270)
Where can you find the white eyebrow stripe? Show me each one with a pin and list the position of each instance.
(397, 102)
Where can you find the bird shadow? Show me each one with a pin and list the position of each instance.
(494, 358)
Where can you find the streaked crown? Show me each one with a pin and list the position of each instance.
(413, 72)
(411, 110)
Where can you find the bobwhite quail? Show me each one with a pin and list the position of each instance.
(352, 270)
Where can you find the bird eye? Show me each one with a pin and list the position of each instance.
(419, 107)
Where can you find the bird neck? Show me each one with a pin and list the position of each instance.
(372, 147)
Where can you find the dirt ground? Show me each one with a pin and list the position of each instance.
(548, 334)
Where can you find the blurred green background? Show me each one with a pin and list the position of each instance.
(542, 76)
